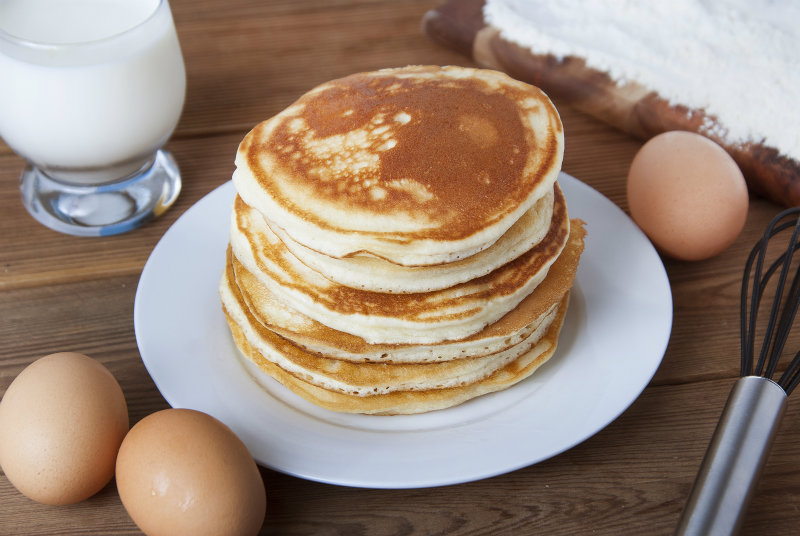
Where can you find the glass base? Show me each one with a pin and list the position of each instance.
(106, 209)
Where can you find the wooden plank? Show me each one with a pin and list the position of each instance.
(628, 479)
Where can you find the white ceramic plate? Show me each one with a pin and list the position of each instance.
(614, 337)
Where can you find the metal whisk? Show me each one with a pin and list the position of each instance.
(740, 444)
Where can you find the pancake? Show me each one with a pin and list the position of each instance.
(378, 275)
(418, 165)
(392, 388)
(399, 242)
(366, 379)
(418, 318)
(320, 339)
(315, 337)
(404, 402)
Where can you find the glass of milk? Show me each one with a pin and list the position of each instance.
(90, 90)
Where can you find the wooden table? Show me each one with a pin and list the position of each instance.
(248, 59)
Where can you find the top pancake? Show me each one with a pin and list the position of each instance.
(417, 165)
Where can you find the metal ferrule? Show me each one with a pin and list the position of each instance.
(735, 458)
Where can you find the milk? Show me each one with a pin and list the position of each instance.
(84, 85)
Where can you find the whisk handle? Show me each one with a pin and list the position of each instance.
(734, 459)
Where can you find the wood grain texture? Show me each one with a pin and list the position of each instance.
(246, 60)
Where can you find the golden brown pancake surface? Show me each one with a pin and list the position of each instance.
(399, 242)
(418, 165)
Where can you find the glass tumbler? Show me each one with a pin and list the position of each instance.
(90, 90)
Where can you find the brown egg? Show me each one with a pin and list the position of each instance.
(61, 424)
(182, 471)
(687, 194)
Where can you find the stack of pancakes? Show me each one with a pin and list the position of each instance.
(399, 242)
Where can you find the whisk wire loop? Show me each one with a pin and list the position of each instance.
(750, 420)
(791, 376)
(748, 322)
(788, 313)
(784, 306)
(759, 283)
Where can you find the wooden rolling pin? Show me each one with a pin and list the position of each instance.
(460, 25)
